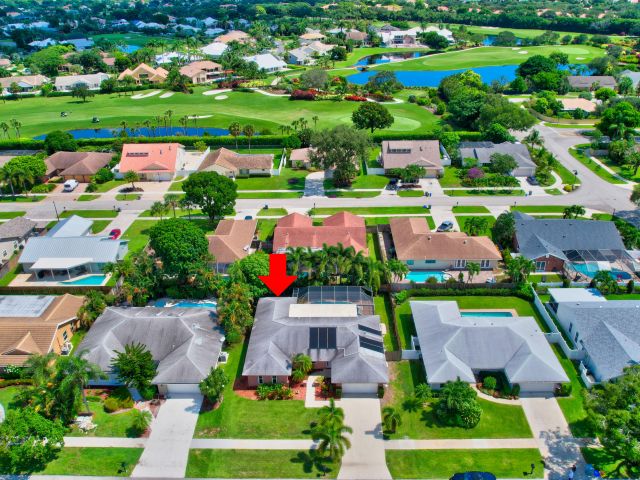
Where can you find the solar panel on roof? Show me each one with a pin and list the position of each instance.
(371, 345)
(364, 328)
(322, 337)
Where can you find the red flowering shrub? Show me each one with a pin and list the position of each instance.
(355, 98)
(303, 95)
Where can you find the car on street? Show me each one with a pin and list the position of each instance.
(445, 226)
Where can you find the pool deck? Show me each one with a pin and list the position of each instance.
(28, 280)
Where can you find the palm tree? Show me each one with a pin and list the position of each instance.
(519, 268)
(397, 269)
(315, 119)
(22, 178)
(5, 129)
(16, 126)
(76, 373)
(573, 211)
(131, 177)
(39, 368)
(391, 419)
(295, 255)
(140, 420)
(183, 122)
(172, 201)
(158, 209)
(6, 175)
(302, 362)
(147, 124)
(330, 414)
(473, 268)
(534, 139)
(248, 132)
(187, 205)
(169, 114)
(332, 439)
(235, 130)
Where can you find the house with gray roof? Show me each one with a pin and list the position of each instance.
(455, 345)
(591, 82)
(13, 235)
(481, 152)
(68, 251)
(344, 340)
(185, 343)
(577, 247)
(607, 331)
(92, 81)
(634, 76)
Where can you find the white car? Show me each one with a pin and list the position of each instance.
(70, 185)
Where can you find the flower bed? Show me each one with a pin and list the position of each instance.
(355, 98)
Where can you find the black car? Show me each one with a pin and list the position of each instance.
(474, 476)
(533, 181)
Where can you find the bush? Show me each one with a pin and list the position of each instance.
(43, 188)
(103, 175)
(111, 405)
(568, 188)
(15, 381)
(91, 187)
(148, 392)
(303, 95)
(355, 98)
(274, 391)
(469, 415)
(565, 390)
(489, 383)
(423, 392)
(118, 399)
(515, 390)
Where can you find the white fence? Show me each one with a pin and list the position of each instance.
(283, 160)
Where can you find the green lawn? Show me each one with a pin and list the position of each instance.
(268, 195)
(176, 186)
(469, 209)
(373, 246)
(7, 396)
(272, 212)
(479, 193)
(99, 225)
(90, 213)
(504, 463)
(265, 229)
(553, 191)
(539, 208)
(486, 56)
(240, 417)
(603, 461)
(361, 181)
(21, 198)
(110, 185)
(385, 220)
(10, 215)
(578, 154)
(371, 210)
(566, 175)
(352, 194)
(548, 277)
(255, 464)
(359, 53)
(462, 219)
(382, 306)
(410, 193)
(94, 461)
(10, 276)
(88, 198)
(128, 197)
(108, 424)
(138, 235)
(451, 177)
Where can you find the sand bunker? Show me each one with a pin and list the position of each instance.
(146, 95)
(167, 94)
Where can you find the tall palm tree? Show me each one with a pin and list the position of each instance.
(77, 372)
(397, 269)
(330, 414)
(172, 201)
(39, 367)
(23, 178)
(534, 139)
(183, 123)
(123, 126)
(147, 124)
(294, 256)
(235, 130)
(391, 419)
(315, 119)
(332, 439)
(16, 126)
(249, 131)
(169, 114)
(6, 175)
(5, 128)
(158, 209)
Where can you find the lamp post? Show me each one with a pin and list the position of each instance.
(575, 178)
(56, 210)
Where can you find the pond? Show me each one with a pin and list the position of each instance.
(490, 40)
(145, 132)
(389, 58)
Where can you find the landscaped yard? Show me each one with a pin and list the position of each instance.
(106, 462)
(503, 463)
(539, 208)
(21, 198)
(361, 181)
(371, 210)
(469, 209)
(578, 154)
(108, 424)
(128, 197)
(240, 417)
(110, 185)
(255, 464)
(272, 212)
(410, 193)
(462, 221)
(603, 461)
(382, 306)
(10, 215)
(90, 213)
(99, 225)
(385, 220)
(265, 229)
(138, 235)
(88, 198)
(267, 195)
(7, 396)
(352, 194)
(478, 193)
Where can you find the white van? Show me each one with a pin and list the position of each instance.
(70, 185)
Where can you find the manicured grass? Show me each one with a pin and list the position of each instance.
(469, 209)
(371, 210)
(361, 181)
(99, 225)
(240, 417)
(566, 175)
(382, 306)
(360, 53)
(504, 463)
(275, 182)
(128, 197)
(451, 177)
(352, 194)
(7, 396)
(549, 277)
(373, 246)
(272, 212)
(94, 461)
(605, 462)
(477, 193)
(88, 198)
(10, 215)
(385, 220)
(265, 229)
(410, 193)
(248, 195)
(255, 464)
(90, 213)
(553, 191)
(108, 424)
(579, 155)
(539, 208)
(22, 199)
(487, 56)
(77, 338)
(138, 235)
(176, 186)
(623, 296)
(462, 219)
(110, 185)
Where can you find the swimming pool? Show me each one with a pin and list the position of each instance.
(186, 304)
(486, 314)
(422, 276)
(590, 269)
(88, 280)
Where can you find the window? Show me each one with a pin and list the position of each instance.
(260, 380)
(575, 339)
(64, 335)
(541, 266)
(570, 327)
(274, 379)
(485, 263)
(460, 263)
(429, 261)
(409, 262)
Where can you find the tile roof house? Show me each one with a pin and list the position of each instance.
(80, 166)
(296, 230)
(36, 324)
(402, 153)
(214, 49)
(184, 342)
(421, 249)
(69, 82)
(26, 83)
(13, 235)
(556, 244)
(68, 251)
(204, 71)
(306, 55)
(299, 158)
(231, 241)
(587, 82)
(231, 164)
(143, 73)
(338, 337)
(482, 152)
(454, 346)
(234, 36)
(267, 62)
(573, 104)
(151, 161)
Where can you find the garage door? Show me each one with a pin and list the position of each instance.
(183, 388)
(360, 388)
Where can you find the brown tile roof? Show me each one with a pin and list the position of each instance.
(23, 336)
(401, 153)
(153, 74)
(414, 241)
(230, 240)
(77, 163)
(296, 230)
(33, 80)
(234, 36)
(236, 161)
(149, 157)
(194, 68)
(300, 155)
(575, 103)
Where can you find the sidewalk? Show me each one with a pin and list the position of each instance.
(104, 442)
(462, 444)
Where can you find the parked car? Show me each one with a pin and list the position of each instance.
(445, 226)
(70, 185)
(115, 234)
(474, 476)
(248, 217)
(533, 181)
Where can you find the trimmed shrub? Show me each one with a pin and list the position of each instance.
(355, 98)
(303, 95)
(43, 188)
(565, 390)
(469, 415)
(15, 381)
(111, 405)
(489, 383)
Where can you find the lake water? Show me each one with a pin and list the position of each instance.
(490, 40)
(389, 58)
(129, 49)
(145, 132)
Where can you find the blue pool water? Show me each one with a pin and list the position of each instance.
(129, 49)
(145, 132)
(422, 277)
(590, 269)
(89, 280)
(188, 304)
(486, 314)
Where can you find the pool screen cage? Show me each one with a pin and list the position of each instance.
(613, 257)
(361, 296)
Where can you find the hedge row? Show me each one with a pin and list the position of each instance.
(522, 291)
(15, 381)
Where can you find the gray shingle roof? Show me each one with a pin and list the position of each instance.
(482, 152)
(184, 341)
(539, 237)
(18, 227)
(454, 347)
(277, 337)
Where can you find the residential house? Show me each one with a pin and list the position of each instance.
(26, 83)
(40, 44)
(231, 242)
(573, 104)
(307, 54)
(80, 166)
(80, 44)
(607, 332)
(214, 49)
(185, 344)
(68, 251)
(234, 36)
(231, 164)
(481, 152)
(267, 62)
(299, 158)
(425, 153)
(13, 236)
(578, 247)
(409, 38)
(591, 82)
(421, 249)
(36, 325)
(296, 230)
(459, 345)
(5, 62)
(214, 32)
(335, 327)
(310, 37)
(204, 71)
(69, 82)
(634, 76)
(151, 161)
(143, 73)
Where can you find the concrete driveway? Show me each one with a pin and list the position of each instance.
(167, 450)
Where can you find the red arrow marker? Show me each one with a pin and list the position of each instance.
(277, 281)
